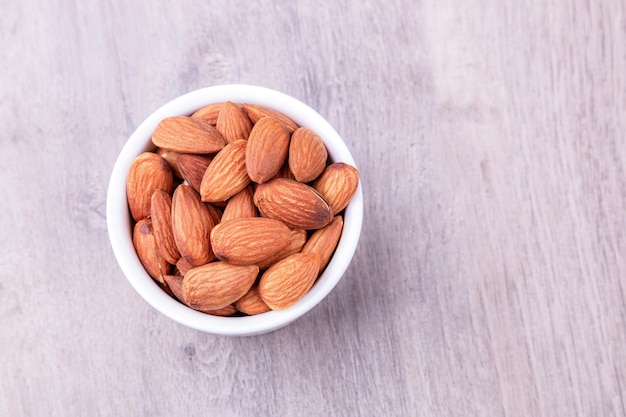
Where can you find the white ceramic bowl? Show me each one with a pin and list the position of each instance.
(119, 221)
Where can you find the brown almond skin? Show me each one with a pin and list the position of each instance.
(161, 215)
(338, 184)
(251, 303)
(217, 284)
(256, 113)
(226, 174)
(324, 241)
(247, 241)
(297, 239)
(187, 135)
(288, 280)
(307, 155)
(175, 284)
(192, 226)
(229, 310)
(172, 159)
(233, 123)
(240, 205)
(208, 114)
(148, 173)
(220, 204)
(297, 205)
(183, 266)
(214, 212)
(285, 172)
(143, 239)
(267, 150)
(192, 168)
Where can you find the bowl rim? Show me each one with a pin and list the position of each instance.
(119, 221)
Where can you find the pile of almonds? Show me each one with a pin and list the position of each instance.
(238, 211)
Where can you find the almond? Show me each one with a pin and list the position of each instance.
(295, 204)
(192, 226)
(233, 123)
(172, 159)
(217, 284)
(256, 113)
(226, 174)
(208, 114)
(143, 239)
(192, 169)
(214, 212)
(338, 184)
(175, 284)
(229, 310)
(183, 266)
(161, 215)
(324, 241)
(240, 205)
(251, 303)
(307, 155)
(297, 238)
(166, 288)
(288, 280)
(247, 241)
(268, 146)
(148, 173)
(220, 204)
(186, 135)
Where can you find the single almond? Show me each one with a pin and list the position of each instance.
(145, 245)
(229, 310)
(186, 135)
(161, 215)
(192, 168)
(226, 174)
(217, 284)
(233, 123)
(295, 204)
(240, 205)
(338, 184)
(192, 226)
(208, 114)
(307, 155)
(172, 159)
(268, 146)
(148, 173)
(175, 284)
(256, 113)
(251, 303)
(247, 241)
(288, 280)
(183, 266)
(297, 238)
(324, 241)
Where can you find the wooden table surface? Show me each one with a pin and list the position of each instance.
(490, 275)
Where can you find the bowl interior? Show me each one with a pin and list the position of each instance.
(119, 220)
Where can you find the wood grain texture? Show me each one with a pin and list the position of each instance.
(490, 276)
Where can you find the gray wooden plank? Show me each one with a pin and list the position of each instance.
(490, 275)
